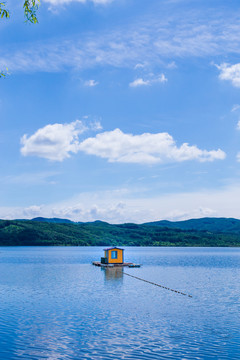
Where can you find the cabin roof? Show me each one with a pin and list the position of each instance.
(114, 247)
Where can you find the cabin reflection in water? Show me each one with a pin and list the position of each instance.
(113, 273)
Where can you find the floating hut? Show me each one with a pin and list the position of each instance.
(113, 256)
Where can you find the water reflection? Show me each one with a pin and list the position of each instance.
(55, 305)
(113, 274)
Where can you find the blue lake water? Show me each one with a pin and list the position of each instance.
(55, 305)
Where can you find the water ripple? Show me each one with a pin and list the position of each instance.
(54, 305)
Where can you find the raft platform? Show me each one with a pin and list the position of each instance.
(130, 265)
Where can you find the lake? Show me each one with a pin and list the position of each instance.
(55, 305)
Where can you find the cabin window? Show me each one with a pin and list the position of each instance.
(114, 254)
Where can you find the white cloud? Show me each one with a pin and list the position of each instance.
(91, 83)
(230, 73)
(108, 212)
(55, 142)
(151, 40)
(161, 78)
(178, 215)
(33, 211)
(150, 81)
(65, 2)
(58, 141)
(144, 149)
(139, 66)
(95, 126)
(235, 107)
(171, 65)
(139, 82)
(27, 179)
(136, 205)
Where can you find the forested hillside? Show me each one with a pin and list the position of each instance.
(57, 232)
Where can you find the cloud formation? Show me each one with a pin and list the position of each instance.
(66, 2)
(91, 83)
(139, 82)
(151, 40)
(124, 205)
(55, 142)
(115, 146)
(230, 73)
(32, 178)
(58, 141)
(149, 81)
(235, 107)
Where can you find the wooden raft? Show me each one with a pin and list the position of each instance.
(98, 263)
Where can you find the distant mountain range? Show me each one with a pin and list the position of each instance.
(55, 231)
(229, 225)
(226, 225)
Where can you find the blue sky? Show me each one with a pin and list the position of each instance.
(121, 110)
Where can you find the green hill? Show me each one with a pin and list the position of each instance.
(226, 225)
(53, 220)
(42, 231)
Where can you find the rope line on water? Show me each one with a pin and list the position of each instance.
(164, 287)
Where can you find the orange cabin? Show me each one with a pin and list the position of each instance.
(113, 255)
